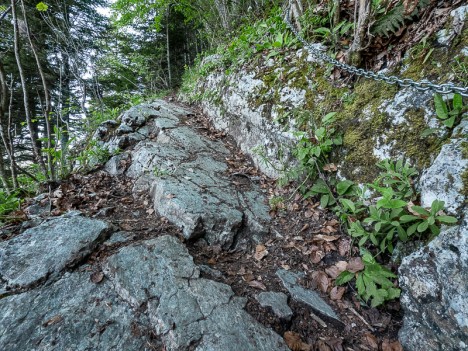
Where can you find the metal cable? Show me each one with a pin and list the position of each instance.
(423, 85)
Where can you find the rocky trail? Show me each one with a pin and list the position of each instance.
(172, 245)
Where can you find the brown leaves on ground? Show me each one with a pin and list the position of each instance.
(260, 252)
(295, 343)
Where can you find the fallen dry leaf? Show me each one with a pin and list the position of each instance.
(391, 346)
(295, 343)
(341, 265)
(371, 341)
(54, 320)
(257, 285)
(260, 252)
(316, 256)
(335, 344)
(337, 292)
(344, 247)
(355, 265)
(97, 277)
(321, 280)
(333, 271)
(308, 214)
(322, 346)
(331, 167)
(328, 238)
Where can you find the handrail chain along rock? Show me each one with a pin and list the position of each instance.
(424, 85)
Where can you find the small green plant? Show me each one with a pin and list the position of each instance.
(8, 203)
(277, 202)
(313, 149)
(373, 281)
(423, 219)
(447, 114)
(94, 154)
(159, 172)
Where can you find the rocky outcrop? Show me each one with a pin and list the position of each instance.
(187, 176)
(262, 105)
(43, 252)
(434, 284)
(143, 293)
(445, 178)
(188, 311)
(149, 295)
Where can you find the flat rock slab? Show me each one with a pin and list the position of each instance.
(309, 297)
(71, 314)
(44, 251)
(188, 178)
(278, 303)
(187, 311)
(435, 293)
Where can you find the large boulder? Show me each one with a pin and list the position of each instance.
(43, 252)
(188, 178)
(185, 310)
(72, 314)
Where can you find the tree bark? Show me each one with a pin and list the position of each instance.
(354, 53)
(36, 150)
(47, 106)
(168, 51)
(6, 135)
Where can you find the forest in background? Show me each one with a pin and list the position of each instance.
(65, 67)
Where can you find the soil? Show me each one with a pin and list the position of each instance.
(303, 238)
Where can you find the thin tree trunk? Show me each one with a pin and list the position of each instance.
(10, 147)
(47, 107)
(296, 10)
(6, 136)
(168, 52)
(3, 175)
(354, 54)
(36, 151)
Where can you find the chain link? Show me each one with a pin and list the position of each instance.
(423, 85)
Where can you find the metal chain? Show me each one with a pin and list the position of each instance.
(423, 85)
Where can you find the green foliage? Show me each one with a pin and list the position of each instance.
(266, 38)
(276, 202)
(94, 154)
(42, 7)
(392, 216)
(448, 114)
(373, 282)
(378, 216)
(312, 150)
(389, 22)
(160, 172)
(8, 203)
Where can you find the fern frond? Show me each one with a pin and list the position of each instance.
(392, 21)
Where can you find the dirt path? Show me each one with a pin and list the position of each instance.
(303, 238)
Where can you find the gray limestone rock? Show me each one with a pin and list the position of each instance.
(309, 297)
(278, 303)
(185, 310)
(186, 175)
(71, 314)
(41, 205)
(46, 250)
(435, 293)
(444, 179)
(124, 129)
